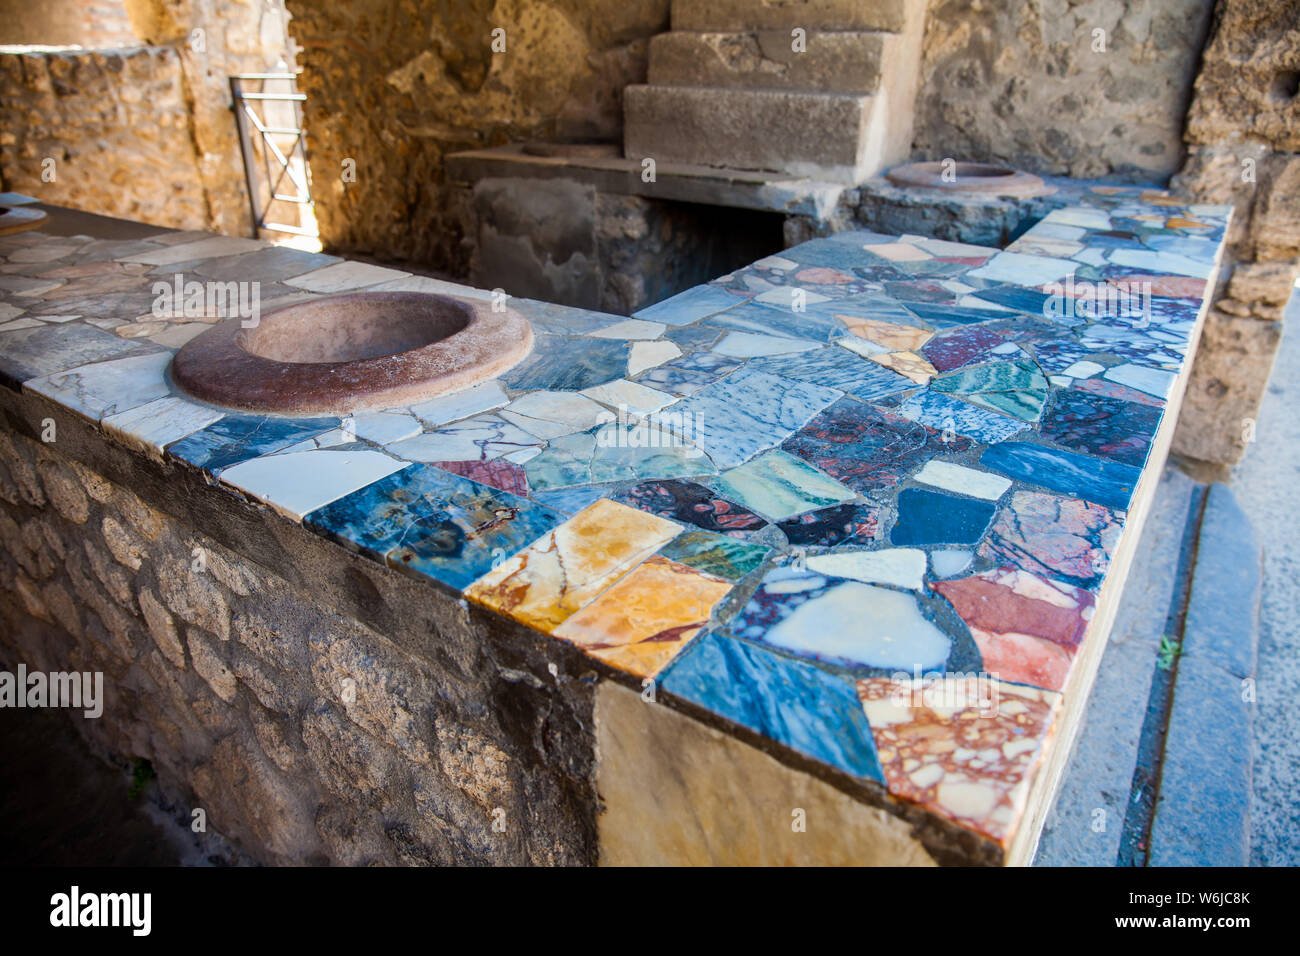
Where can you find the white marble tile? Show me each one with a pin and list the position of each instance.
(156, 424)
(174, 336)
(777, 263)
(785, 296)
(1084, 369)
(8, 312)
(1026, 270)
(859, 346)
(462, 404)
(963, 480)
(631, 329)
(106, 388)
(1161, 263)
(650, 354)
(435, 286)
(752, 344)
(636, 399)
(475, 439)
(1083, 217)
(303, 481)
(16, 324)
(385, 427)
(1153, 381)
(203, 249)
(950, 561)
(553, 414)
(343, 276)
(901, 567)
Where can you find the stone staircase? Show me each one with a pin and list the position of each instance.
(732, 85)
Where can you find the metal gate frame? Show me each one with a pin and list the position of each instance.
(249, 123)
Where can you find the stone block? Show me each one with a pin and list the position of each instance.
(788, 14)
(848, 62)
(834, 136)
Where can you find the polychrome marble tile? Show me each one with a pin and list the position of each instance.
(1153, 381)
(1022, 269)
(500, 474)
(565, 570)
(426, 521)
(787, 700)
(837, 368)
(813, 325)
(900, 567)
(866, 448)
(1055, 537)
(1100, 386)
(567, 363)
(1108, 483)
(779, 485)
(747, 412)
(26, 354)
(955, 418)
(932, 517)
(891, 336)
(693, 504)
(963, 480)
(239, 437)
(972, 762)
(156, 424)
(646, 616)
(1017, 389)
(908, 364)
(298, 482)
(962, 346)
(832, 526)
(1097, 425)
(847, 622)
(717, 554)
(1027, 628)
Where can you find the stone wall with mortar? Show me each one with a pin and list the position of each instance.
(95, 24)
(1026, 83)
(305, 736)
(394, 85)
(1243, 141)
(141, 133)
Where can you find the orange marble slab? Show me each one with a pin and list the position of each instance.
(644, 619)
(907, 364)
(543, 585)
(890, 335)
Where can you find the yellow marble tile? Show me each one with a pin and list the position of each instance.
(1178, 222)
(889, 334)
(647, 616)
(898, 251)
(564, 570)
(908, 364)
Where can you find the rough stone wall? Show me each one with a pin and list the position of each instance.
(1019, 82)
(305, 736)
(394, 85)
(1243, 135)
(103, 131)
(120, 125)
(96, 24)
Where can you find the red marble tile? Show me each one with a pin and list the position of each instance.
(499, 474)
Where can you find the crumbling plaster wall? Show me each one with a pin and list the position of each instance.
(394, 85)
(1027, 82)
(140, 130)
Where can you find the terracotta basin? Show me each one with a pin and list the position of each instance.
(19, 218)
(984, 179)
(346, 353)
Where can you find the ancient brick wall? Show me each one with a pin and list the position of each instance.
(305, 736)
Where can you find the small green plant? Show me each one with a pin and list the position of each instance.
(141, 774)
(1170, 648)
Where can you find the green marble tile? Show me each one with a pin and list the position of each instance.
(1017, 389)
(715, 554)
(781, 486)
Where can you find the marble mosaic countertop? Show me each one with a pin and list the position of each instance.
(865, 457)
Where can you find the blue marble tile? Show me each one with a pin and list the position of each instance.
(45, 349)
(561, 319)
(837, 368)
(1103, 482)
(238, 438)
(952, 416)
(814, 326)
(694, 336)
(678, 381)
(709, 363)
(947, 316)
(686, 307)
(799, 705)
(741, 415)
(570, 501)
(429, 522)
(1098, 425)
(691, 503)
(616, 452)
(931, 517)
(562, 363)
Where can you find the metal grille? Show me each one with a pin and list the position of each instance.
(268, 114)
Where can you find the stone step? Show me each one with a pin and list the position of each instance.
(729, 15)
(840, 137)
(846, 62)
